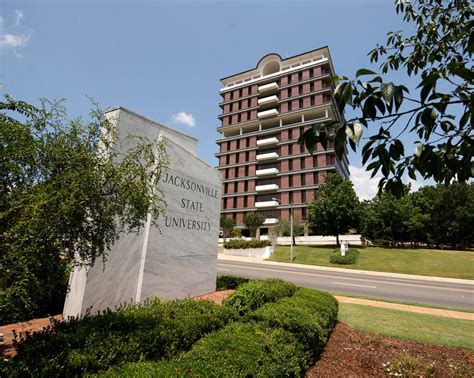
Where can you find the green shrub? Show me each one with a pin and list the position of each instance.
(254, 294)
(238, 350)
(229, 282)
(160, 329)
(246, 244)
(349, 258)
(309, 315)
(236, 233)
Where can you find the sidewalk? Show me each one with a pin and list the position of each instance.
(255, 260)
(402, 307)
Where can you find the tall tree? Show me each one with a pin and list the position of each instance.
(227, 224)
(437, 56)
(66, 195)
(253, 221)
(450, 209)
(335, 208)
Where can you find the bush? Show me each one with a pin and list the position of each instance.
(229, 282)
(160, 329)
(236, 233)
(238, 350)
(254, 294)
(309, 315)
(349, 258)
(246, 244)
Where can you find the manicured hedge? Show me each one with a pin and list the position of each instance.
(254, 294)
(238, 350)
(229, 282)
(246, 244)
(350, 257)
(160, 329)
(278, 339)
(309, 315)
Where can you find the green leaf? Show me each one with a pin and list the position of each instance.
(354, 132)
(387, 90)
(428, 117)
(364, 71)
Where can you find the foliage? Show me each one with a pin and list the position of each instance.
(283, 228)
(406, 365)
(246, 244)
(309, 315)
(66, 194)
(236, 233)
(238, 350)
(229, 282)
(442, 215)
(438, 57)
(335, 208)
(160, 329)
(278, 339)
(450, 210)
(253, 221)
(349, 259)
(227, 224)
(254, 294)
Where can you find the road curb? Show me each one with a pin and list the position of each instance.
(223, 257)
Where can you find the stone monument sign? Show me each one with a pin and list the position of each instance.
(178, 258)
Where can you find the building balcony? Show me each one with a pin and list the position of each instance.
(267, 100)
(267, 141)
(268, 87)
(267, 113)
(270, 221)
(267, 172)
(267, 156)
(262, 204)
(266, 188)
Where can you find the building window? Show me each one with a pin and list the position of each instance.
(303, 196)
(238, 140)
(311, 86)
(303, 180)
(300, 76)
(290, 183)
(236, 187)
(227, 159)
(240, 92)
(235, 202)
(239, 119)
(290, 164)
(246, 186)
(245, 201)
(289, 79)
(301, 89)
(291, 196)
(303, 212)
(315, 179)
(290, 149)
(226, 188)
(237, 158)
(301, 103)
(302, 160)
(246, 170)
(232, 95)
(247, 156)
(236, 172)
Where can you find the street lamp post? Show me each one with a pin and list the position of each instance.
(291, 231)
(291, 227)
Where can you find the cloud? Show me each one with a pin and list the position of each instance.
(13, 40)
(18, 17)
(364, 186)
(367, 188)
(185, 119)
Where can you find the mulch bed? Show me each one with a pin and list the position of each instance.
(353, 353)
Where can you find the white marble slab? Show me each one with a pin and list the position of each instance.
(175, 259)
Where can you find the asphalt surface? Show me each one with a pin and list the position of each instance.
(427, 292)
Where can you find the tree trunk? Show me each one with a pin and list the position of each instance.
(337, 240)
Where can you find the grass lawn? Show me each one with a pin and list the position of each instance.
(426, 262)
(407, 325)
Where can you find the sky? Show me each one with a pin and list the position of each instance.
(164, 59)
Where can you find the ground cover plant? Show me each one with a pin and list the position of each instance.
(253, 294)
(426, 262)
(158, 330)
(279, 338)
(349, 258)
(407, 325)
(229, 282)
(246, 244)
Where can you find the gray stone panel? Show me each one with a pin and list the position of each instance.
(175, 259)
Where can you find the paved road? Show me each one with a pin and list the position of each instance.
(373, 286)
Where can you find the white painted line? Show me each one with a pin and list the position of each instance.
(224, 270)
(343, 283)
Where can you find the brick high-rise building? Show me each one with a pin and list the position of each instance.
(264, 111)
